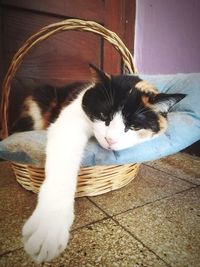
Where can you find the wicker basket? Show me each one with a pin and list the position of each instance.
(91, 180)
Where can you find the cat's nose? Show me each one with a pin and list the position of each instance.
(110, 141)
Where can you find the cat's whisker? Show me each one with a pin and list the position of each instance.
(107, 96)
(143, 112)
(112, 92)
(140, 108)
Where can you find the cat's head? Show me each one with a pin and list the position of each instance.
(125, 110)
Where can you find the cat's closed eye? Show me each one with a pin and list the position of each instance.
(135, 128)
(132, 127)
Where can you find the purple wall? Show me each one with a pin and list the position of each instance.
(167, 36)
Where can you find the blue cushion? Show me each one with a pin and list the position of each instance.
(183, 130)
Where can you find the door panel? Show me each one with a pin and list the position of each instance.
(87, 9)
(62, 57)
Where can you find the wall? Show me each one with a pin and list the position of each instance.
(167, 36)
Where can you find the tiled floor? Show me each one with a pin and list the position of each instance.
(153, 221)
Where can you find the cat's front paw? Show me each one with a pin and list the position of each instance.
(46, 233)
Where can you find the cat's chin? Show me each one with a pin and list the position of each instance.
(115, 147)
(118, 147)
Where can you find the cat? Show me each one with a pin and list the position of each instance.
(120, 111)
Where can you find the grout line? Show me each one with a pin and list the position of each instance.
(94, 222)
(89, 224)
(140, 241)
(111, 217)
(182, 179)
(10, 251)
(147, 203)
(154, 201)
(125, 229)
(96, 205)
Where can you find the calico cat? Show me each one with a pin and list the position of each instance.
(120, 111)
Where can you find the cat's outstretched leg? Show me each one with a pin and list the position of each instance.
(46, 232)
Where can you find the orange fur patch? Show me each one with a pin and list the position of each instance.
(162, 123)
(145, 133)
(146, 87)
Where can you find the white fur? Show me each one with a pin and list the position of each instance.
(115, 134)
(46, 232)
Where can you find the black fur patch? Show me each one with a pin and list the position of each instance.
(22, 124)
(108, 97)
(137, 115)
(119, 94)
(52, 99)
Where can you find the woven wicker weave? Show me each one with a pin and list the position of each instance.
(92, 180)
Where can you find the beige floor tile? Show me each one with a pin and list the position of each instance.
(181, 165)
(16, 258)
(148, 186)
(86, 213)
(170, 227)
(6, 174)
(103, 244)
(17, 205)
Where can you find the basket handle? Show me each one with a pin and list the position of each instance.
(46, 32)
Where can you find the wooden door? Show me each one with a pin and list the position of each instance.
(63, 57)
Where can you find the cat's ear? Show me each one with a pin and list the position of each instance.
(164, 102)
(98, 76)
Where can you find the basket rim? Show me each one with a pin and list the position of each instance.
(46, 32)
